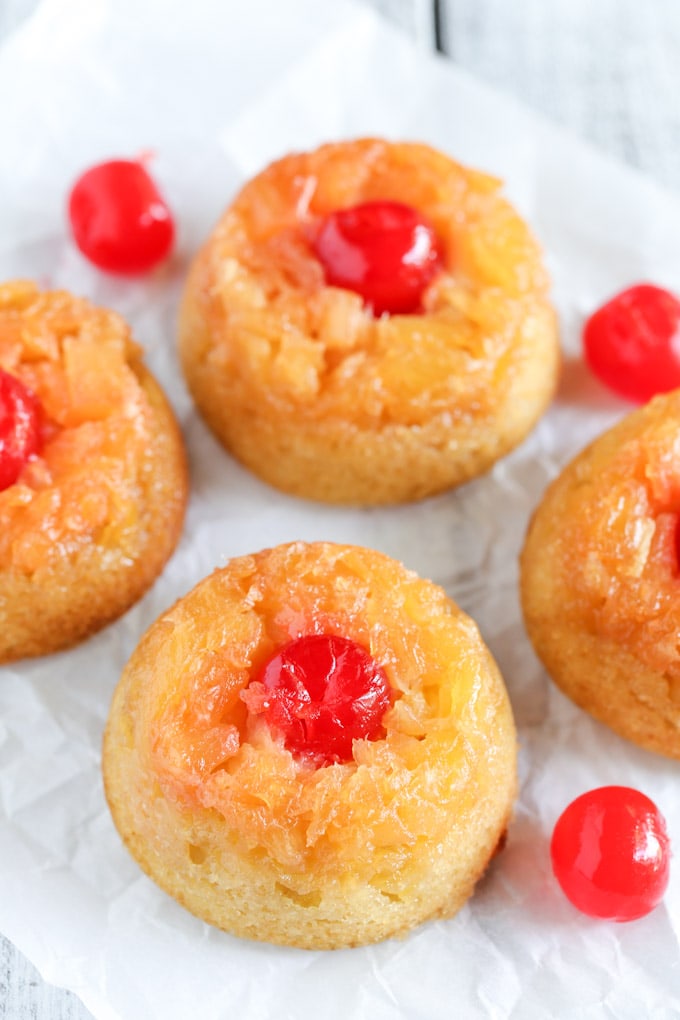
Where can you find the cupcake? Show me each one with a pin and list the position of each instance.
(93, 479)
(312, 748)
(369, 323)
(600, 577)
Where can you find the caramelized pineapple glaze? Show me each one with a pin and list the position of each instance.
(601, 577)
(267, 843)
(310, 390)
(93, 516)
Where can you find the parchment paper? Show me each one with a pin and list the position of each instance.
(216, 90)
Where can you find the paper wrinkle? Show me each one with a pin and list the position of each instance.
(216, 98)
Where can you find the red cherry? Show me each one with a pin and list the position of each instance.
(119, 219)
(385, 251)
(632, 343)
(20, 438)
(321, 692)
(611, 853)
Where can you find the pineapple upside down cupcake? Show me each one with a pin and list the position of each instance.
(600, 577)
(312, 748)
(368, 324)
(92, 471)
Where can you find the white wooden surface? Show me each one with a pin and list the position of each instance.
(608, 70)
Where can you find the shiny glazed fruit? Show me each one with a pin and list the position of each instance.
(78, 363)
(119, 219)
(385, 251)
(611, 853)
(632, 343)
(19, 428)
(321, 692)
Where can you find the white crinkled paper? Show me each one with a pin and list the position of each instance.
(216, 90)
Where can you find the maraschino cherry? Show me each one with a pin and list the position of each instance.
(119, 219)
(321, 692)
(632, 343)
(611, 853)
(20, 436)
(385, 251)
